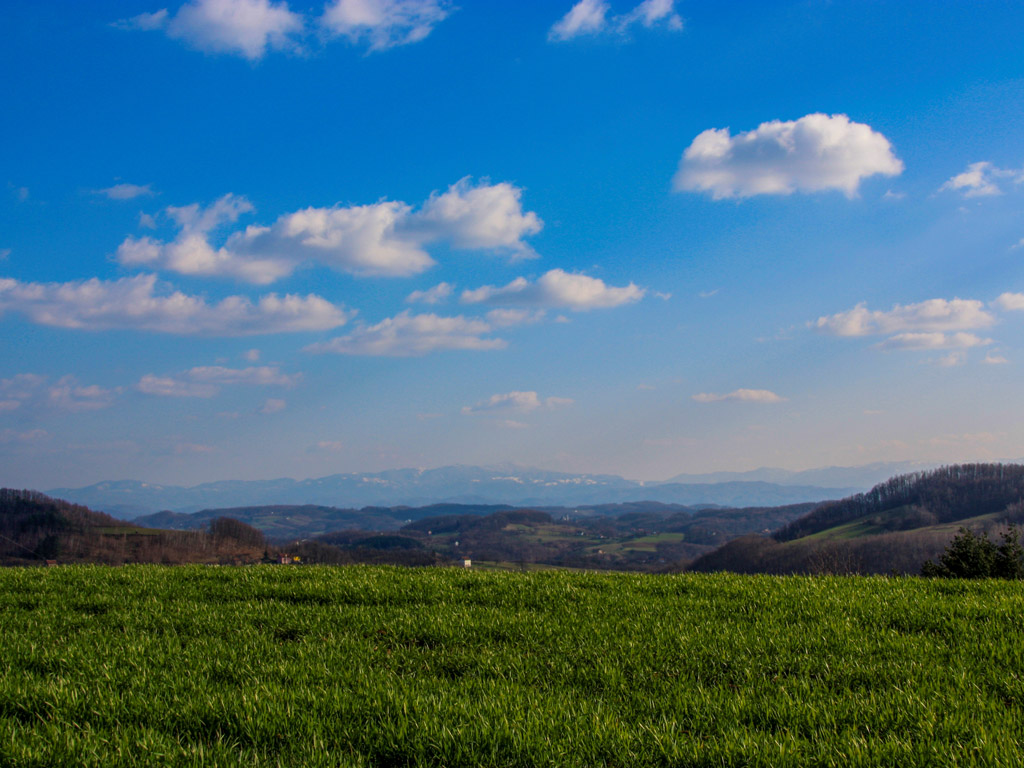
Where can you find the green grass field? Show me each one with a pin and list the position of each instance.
(359, 666)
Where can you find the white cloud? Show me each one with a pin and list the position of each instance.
(508, 318)
(982, 180)
(384, 23)
(206, 381)
(146, 22)
(649, 13)
(933, 340)
(408, 335)
(387, 238)
(168, 386)
(556, 288)
(587, 17)
(273, 405)
(65, 394)
(930, 315)
(590, 17)
(993, 359)
(125, 191)
(252, 355)
(519, 402)
(5, 252)
(1013, 302)
(138, 303)
(815, 153)
(951, 360)
(743, 395)
(481, 217)
(435, 295)
(245, 28)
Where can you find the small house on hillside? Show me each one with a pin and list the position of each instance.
(467, 563)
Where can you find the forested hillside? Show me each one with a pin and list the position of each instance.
(35, 528)
(895, 526)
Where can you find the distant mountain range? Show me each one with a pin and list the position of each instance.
(509, 485)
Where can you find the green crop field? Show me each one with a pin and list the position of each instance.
(359, 666)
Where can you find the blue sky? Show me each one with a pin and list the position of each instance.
(249, 239)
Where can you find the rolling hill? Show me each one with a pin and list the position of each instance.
(895, 526)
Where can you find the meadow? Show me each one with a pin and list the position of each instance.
(371, 666)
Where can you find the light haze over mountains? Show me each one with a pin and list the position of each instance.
(508, 484)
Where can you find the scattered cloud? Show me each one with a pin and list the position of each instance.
(4, 253)
(556, 288)
(993, 359)
(252, 355)
(147, 220)
(742, 395)
(926, 316)
(508, 318)
(251, 28)
(66, 394)
(951, 360)
(207, 381)
(273, 405)
(982, 180)
(933, 340)
(708, 294)
(1012, 302)
(384, 24)
(139, 303)
(818, 152)
(508, 403)
(436, 295)
(387, 238)
(246, 28)
(168, 386)
(893, 196)
(647, 387)
(125, 191)
(590, 17)
(409, 335)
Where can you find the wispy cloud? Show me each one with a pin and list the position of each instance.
(591, 17)
(982, 180)
(740, 395)
(384, 24)
(207, 381)
(520, 402)
(409, 335)
(933, 340)
(435, 295)
(66, 394)
(815, 153)
(556, 289)
(926, 316)
(140, 303)
(273, 405)
(125, 191)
